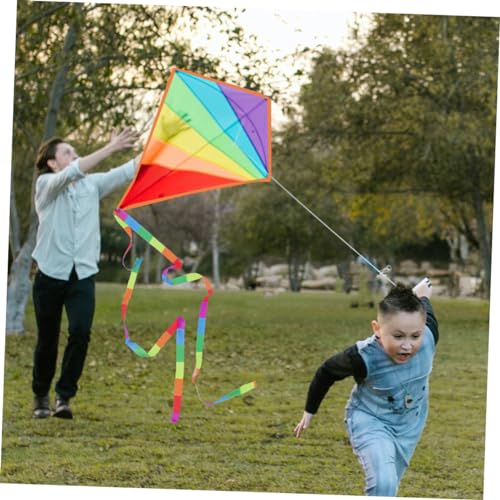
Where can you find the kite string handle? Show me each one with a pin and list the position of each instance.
(380, 273)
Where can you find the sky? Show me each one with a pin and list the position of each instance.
(284, 29)
(314, 21)
(281, 32)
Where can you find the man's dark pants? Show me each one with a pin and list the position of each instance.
(50, 296)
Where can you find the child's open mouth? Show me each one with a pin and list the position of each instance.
(404, 356)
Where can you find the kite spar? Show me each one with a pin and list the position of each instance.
(206, 135)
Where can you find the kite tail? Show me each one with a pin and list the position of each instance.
(243, 389)
(129, 224)
(237, 392)
(130, 240)
(126, 221)
(179, 369)
(200, 330)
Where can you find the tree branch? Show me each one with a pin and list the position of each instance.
(39, 16)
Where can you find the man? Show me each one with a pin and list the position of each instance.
(66, 253)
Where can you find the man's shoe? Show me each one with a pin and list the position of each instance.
(62, 409)
(41, 407)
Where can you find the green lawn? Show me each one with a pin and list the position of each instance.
(122, 436)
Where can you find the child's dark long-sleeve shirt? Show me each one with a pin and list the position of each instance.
(350, 363)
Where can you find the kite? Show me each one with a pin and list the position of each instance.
(207, 134)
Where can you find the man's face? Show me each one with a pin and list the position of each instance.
(65, 154)
(400, 334)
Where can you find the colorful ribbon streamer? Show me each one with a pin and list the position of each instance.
(129, 224)
(237, 392)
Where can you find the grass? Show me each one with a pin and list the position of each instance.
(121, 434)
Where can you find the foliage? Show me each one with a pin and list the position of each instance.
(114, 74)
(410, 113)
(121, 435)
(266, 222)
(392, 145)
(427, 84)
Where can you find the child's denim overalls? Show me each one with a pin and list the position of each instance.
(386, 413)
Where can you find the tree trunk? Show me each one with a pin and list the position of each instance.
(147, 265)
(14, 230)
(19, 284)
(296, 269)
(483, 233)
(484, 239)
(215, 240)
(60, 82)
(160, 264)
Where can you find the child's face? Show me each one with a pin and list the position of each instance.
(400, 334)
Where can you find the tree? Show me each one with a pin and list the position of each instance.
(268, 222)
(411, 111)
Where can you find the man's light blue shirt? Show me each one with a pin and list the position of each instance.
(67, 204)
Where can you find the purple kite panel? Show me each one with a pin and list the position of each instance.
(253, 114)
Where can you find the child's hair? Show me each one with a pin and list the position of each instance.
(46, 152)
(401, 298)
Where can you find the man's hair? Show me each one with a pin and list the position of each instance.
(46, 152)
(401, 298)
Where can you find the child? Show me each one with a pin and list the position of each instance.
(388, 406)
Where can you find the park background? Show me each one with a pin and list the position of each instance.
(341, 195)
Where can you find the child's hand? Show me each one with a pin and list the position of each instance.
(303, 424)
(423, 288)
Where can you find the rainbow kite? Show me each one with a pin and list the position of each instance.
(206, 135)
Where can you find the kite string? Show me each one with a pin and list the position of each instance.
(375, 268)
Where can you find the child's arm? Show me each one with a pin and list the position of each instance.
(423, 291)
(339, 366)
